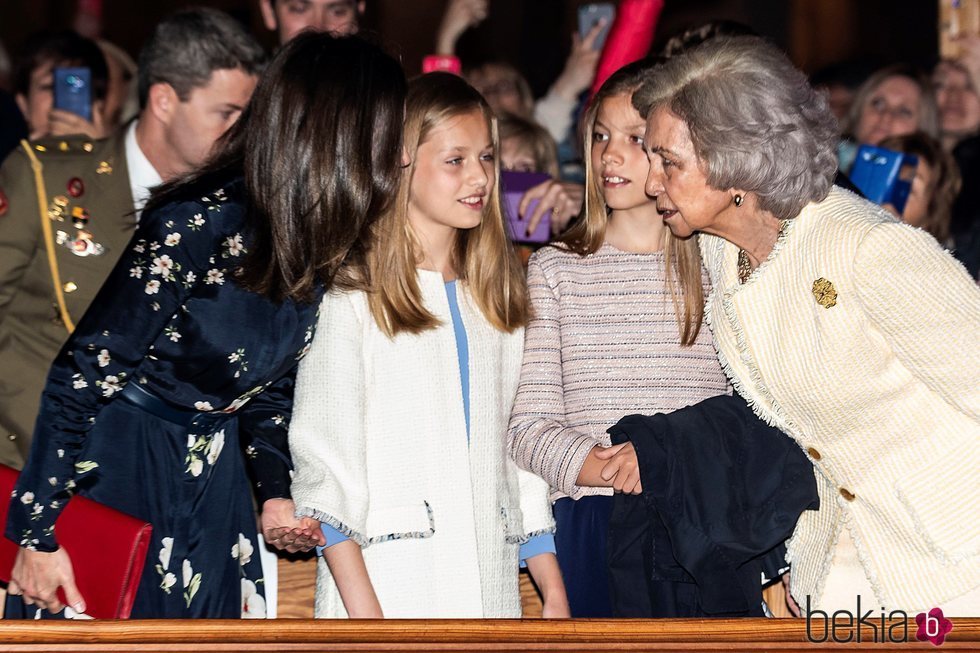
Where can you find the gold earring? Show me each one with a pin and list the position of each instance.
(738, 201)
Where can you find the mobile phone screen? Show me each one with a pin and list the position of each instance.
(590, 14)
(73, 91)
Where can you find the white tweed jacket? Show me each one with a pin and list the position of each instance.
(860, 337)
(378, 437)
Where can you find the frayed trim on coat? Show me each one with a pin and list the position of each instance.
(361, 540)
(527, 537)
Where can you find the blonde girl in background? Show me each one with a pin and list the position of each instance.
(615, 329)
(400, 419)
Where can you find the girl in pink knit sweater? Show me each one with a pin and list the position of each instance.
(616, 329)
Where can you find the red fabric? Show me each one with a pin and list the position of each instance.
(446, 63)
(629, 38)
(107, 550)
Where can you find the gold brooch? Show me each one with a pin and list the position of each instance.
(824, 291)
(105, 168)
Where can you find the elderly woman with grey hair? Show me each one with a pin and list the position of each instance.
(853, 333)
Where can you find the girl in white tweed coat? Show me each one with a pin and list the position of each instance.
(400, 419)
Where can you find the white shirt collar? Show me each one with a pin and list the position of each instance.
(142, 175)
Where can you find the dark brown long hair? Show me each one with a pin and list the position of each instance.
(319, 146)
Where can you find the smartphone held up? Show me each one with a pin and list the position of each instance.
(73, 91)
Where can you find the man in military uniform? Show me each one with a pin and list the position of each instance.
(68, 206)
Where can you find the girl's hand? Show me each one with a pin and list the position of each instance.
(346, 563)
(283, 530)
(547, 576)
(556, 608)
(623, 469)
(37, 575)
(562, 199)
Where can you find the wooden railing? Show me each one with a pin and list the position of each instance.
(298, 636)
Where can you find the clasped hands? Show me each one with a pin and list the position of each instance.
(615, 467)
(283, 530)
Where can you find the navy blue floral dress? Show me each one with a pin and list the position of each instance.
(171, 320)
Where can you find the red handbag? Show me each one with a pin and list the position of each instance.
(107, 549)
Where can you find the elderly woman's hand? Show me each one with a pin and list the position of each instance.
(283, 530)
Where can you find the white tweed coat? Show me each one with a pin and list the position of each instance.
(860, 337)
(378, 438)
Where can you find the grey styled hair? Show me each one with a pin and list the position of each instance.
(186, 48)
(756, 123)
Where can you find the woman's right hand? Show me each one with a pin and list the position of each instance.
(37, 575)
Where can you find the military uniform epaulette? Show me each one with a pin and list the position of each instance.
(68, 145)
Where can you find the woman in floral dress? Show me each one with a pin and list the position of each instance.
(186, 358)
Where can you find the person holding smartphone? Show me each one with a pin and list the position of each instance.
(34, 85)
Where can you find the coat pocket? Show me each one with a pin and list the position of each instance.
(942, 497)
(408, 521)
(513, 520)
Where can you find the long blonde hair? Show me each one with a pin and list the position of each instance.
(682, 257)
(483, 256)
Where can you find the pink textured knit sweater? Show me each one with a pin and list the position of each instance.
(602, 343)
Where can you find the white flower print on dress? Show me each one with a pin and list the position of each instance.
(136, 272)
(104, 358)
(192, 582)
(215, 277)
(78, 381)
(217, 444)
(165, 551)
(162, 265)
(196, 222)
(203, 407)
(152, 287)
(27, 498)
(85, 466)
(253, 603)
(234, 245)
(172, 333)
(196, 467)
(190, 278)
(239, 358)
(172, 240)
(168, 579)
(243, 550)
(110, 385)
